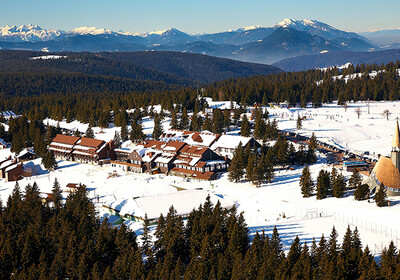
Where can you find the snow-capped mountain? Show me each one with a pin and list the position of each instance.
(252, 43)
(84, 30)
(27, 33)
(315, 27)
(170, 36)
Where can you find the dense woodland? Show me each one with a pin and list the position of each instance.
(65, 239)
(84, 97)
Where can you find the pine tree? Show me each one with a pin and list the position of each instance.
(157, 130)
(361, 192)
(117, 139)
(338, 186)
(184, 122)
(245, 127)
(259, 126)
(146, 238)
(89, 132)
(56, 195)
(77, 133)
(208, 124)
(306, 182)
(388, 262)
(299, 123)
(380, 196)
(49, 161)
(323, 184)
(250, 168)
(174, 120)
(355, 179)
(136, 134)
(236, 167)
(218, 121)
(124, 132)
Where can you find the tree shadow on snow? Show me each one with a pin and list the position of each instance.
(287, 233)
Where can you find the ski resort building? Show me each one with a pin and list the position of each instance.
(387, 170)
(82, 149)
(173, 157)
(224, 145)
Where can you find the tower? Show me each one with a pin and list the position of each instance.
(395, 155)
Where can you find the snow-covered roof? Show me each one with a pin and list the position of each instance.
(6, 163)
(62, 145)
(230, 141)
(24, 152)
(183, 201)
(223, 105)
(205, 139)
(11, 167)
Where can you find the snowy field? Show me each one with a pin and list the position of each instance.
(279, 203)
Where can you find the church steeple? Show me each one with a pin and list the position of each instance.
(396, 139)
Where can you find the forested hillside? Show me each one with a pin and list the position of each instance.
(167, 67)
(191, 66)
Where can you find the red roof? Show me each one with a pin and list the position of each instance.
(90, 142)
(154, 144)
(193, 150)
(66, 139)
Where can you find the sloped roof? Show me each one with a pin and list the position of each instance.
(387, 173)
(66, 139)
(188, 149)
(396, 137)
(230, 141)
(90, 142)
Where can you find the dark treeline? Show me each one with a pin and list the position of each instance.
(84, 97)
(302, 87)
(53, 240)
(84, 63)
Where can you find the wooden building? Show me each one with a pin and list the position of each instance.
(82, 149)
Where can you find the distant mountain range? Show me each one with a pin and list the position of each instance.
(287, 38)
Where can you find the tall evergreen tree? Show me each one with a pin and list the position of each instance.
(380, 196)
(355, 179)
(245, 127)
(157, 130)
(338, 186)
(361, 192)
(89, 132)
(306, 182)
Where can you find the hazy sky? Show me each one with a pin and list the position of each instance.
(198, 16)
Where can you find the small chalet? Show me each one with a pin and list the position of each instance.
(25, 155)
(11, 170)
(226, 144)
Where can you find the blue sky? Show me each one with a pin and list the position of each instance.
(198, 16)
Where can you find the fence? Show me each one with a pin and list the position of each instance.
(316, 213)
